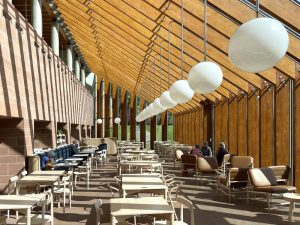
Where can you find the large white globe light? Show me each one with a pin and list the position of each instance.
(157, 107)
(99, 121)
(258, 45)
(205, 77)
(117, 120)
(181, 92)
(166, 101)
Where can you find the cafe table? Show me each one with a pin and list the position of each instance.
(23, 202)
(81, 155)
(48, 172)
(123, 208)
(139, 163)
(31, 180)
(74, 159)
(143, 184)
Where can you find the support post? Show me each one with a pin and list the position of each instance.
(132, 117)
(164, 126)
(82, 73)
(55, 36)
(107, 109)
(70, 57)
(115, 103)
(36, 16)
(152, 131)
(124, 114)
(142, 124)
(77, 67)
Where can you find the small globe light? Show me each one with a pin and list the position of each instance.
(117, 120)
(99, 121)
(181, 91)
(205, 77)
(157, 107)
(166, 101)
(258, 45)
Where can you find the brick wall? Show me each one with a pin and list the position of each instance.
(35, 85)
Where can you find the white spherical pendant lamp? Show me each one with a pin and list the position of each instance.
(117, 120)
(181, 92)
(99, 121)
(205, 77)
(258, 45)
(166, 101)
(157, 107)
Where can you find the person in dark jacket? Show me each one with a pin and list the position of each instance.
(206, 150)
(221, 152)
(103, 145)
(196, 151)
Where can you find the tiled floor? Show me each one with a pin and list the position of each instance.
(210, 208)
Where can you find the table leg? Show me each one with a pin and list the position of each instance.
(43, 212)
(51, 210)
(292, 206)
(172, 219)
(166, 193)
(28, 222)
(124, 194)
(113, 220)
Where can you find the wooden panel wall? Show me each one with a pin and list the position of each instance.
(253, 128)
(224, 122)
(242, 125)
(266, 127)
(297, 129)
(218, 123)
(232, 117)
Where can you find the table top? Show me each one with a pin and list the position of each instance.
(295, 197)
(87, 151)
(48, 172)
(38, 178)
(139, 206)
(69, 164)
(142, 183)
(139, 163)
(139, 151)
(74, 159)
(141, 175)
(19, 201)
(80, 155)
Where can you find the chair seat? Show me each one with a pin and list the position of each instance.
(35, 219)
(61, 190)
(163, 222)
(275, 189)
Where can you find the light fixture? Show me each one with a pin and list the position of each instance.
(258, 44)
(180, 91)
(205, 77)
(165, 99)
(157, 106)
(99, 121)
(117, 120)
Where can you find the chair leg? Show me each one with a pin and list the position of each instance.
(269, 202)
(64, 202)
(70, 200)
(229, 195)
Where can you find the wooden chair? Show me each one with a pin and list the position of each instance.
(65, 189)
(83, 172)
(177, 156)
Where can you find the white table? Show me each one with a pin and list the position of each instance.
(74, 159)
(123, 208)
(292, 198)
(139, 163)
(23, 202)
(80, 155)
(48, 172)
(32, 180)
(148, 184)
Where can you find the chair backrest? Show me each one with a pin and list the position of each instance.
(226, 158)
(237, 174)
(178, 154)
(207, 163)
(189, 159)
(23, 173)
(12, 184)
(99, 211)
(185, 202)
(262, 177)
(281, 172)
(242, 162)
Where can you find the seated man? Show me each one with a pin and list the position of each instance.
(221, 152)
(196, 151)
(103, 145)
(206, 150)
(51, 161)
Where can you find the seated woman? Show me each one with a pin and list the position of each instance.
(206, 150)
(196, 151)
(221, 152)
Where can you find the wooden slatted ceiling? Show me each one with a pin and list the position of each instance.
(122, 38)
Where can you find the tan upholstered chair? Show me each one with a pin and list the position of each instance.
(206, 166)
(268, 182)
(177, 156)
(236, 178)
(188, 162)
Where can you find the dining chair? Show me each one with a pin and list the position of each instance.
(83, 172)
(64, 189)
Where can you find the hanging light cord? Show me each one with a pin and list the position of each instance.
(160, 64)
(257, 8)
(204, 36)
(169, 51)
(182, 29)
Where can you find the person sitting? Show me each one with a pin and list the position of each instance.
(75, 147)
(221, 152)
(196, 151)
(206, 150)
(103, 145)
(51, 161)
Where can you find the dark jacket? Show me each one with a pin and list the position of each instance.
(220, 155)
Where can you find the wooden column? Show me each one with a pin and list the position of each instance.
(207, 123)
(124, 114)
(164, 126)
(296, 154)
(107, 109)
(115, 105)
(98, 111)
(152, 131)
(142, 124)
(132, 117)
